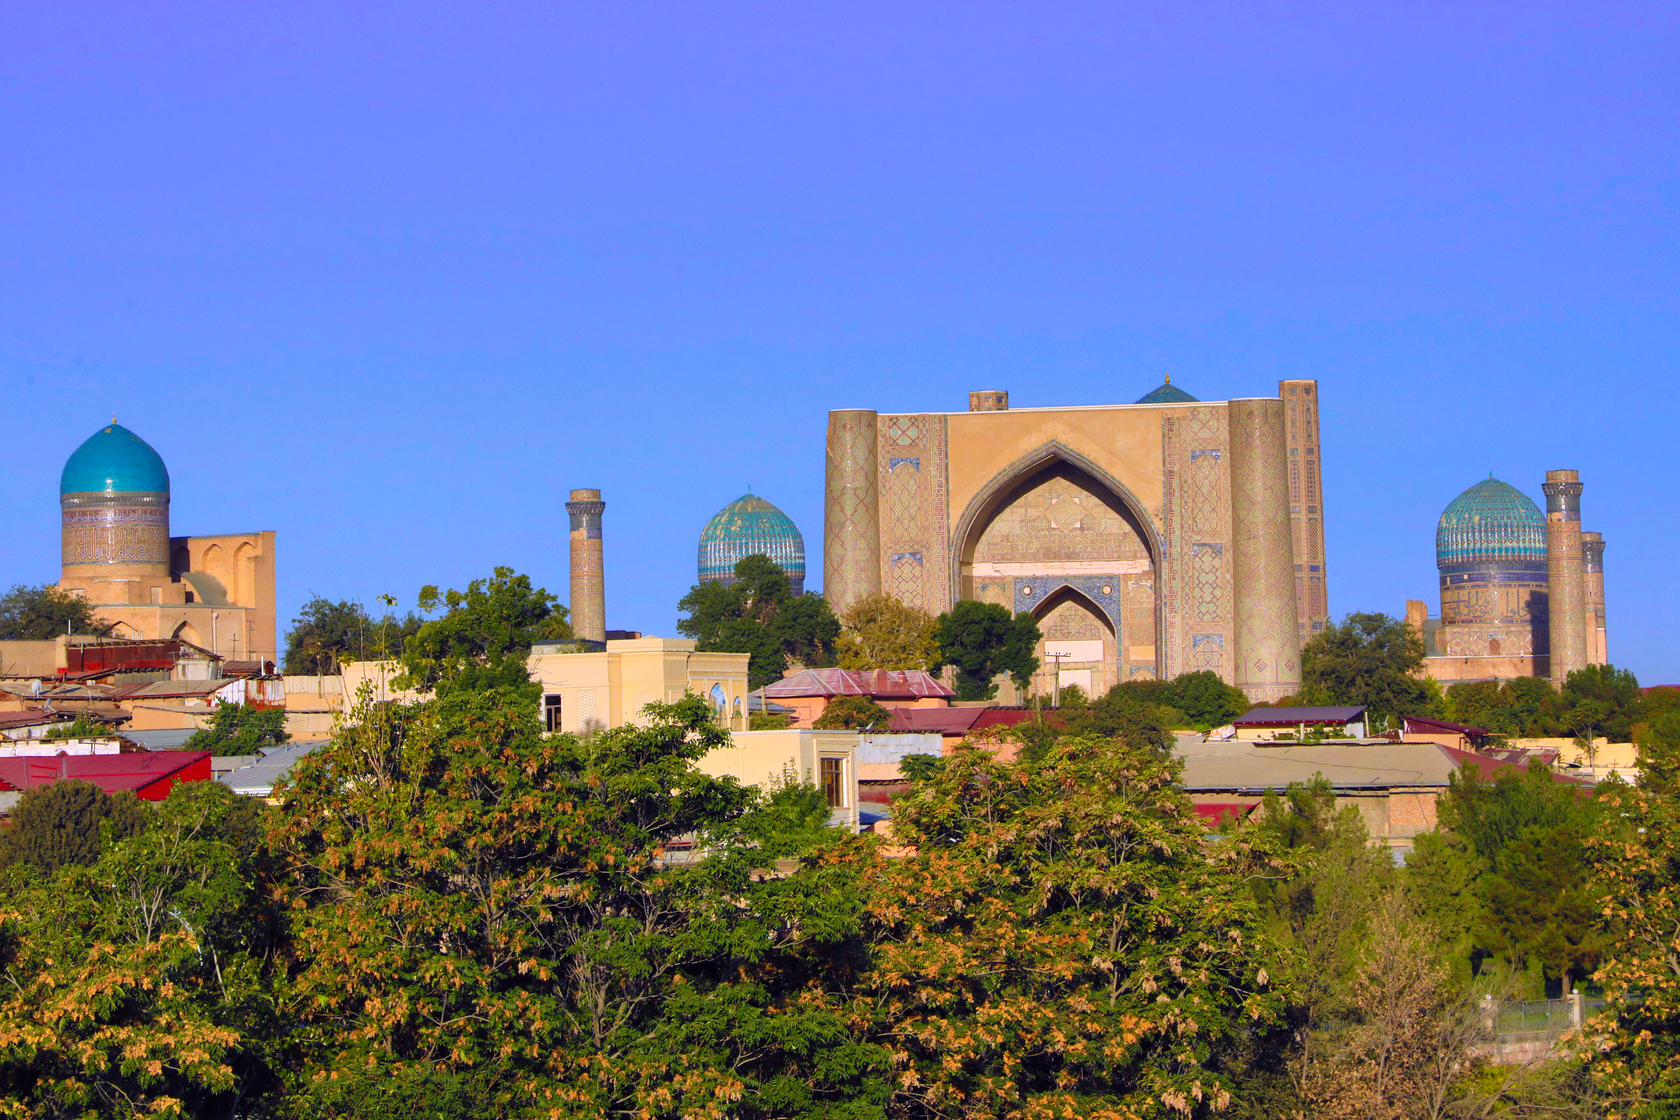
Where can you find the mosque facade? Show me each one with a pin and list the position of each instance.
(1522, 591)
(751, 526)
(1151, 539)
(217, 592)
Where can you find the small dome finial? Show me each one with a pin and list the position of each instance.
(1168, 381)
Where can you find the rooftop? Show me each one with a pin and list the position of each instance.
(1291, 717)
(882, 684)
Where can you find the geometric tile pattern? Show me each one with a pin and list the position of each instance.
(851, 515)
(914, 515)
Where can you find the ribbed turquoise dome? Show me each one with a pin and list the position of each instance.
(1492, 522)
(114, 459)
(751, 526)
(1166, 393)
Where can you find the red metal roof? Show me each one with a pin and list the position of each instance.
(882, 684)
(150, 774)
(946, 721)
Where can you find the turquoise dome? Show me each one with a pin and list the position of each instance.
(1166, 393)
(751, 526)
(114, 460)
(1491, 523)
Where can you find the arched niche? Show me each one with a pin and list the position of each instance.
(1056, 513)
(1084, 634)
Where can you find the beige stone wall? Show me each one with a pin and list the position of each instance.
(610, 689)
(766, 758)
(1449, 670)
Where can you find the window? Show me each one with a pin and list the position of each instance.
(832, 771)
(551, 712)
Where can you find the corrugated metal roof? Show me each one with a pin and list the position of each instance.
(257, 780)
(888, 684)
(1280, 717)
(110, 772)
(946, 721)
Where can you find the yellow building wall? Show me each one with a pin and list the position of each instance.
(767, 758)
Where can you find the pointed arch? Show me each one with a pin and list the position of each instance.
(1006, 482)
(1016, 478)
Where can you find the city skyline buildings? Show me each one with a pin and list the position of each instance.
(337, 285)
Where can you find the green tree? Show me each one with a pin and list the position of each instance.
(491, 917)
(240, 729)
(758, 614)
(1632, 1049)
(1318, 906)
(83, 726)
(484, 634)
(325, 634)
(1509, 879)
(66, 823)
(1604, 697)
(1060, 941)
(1370, 659)
(1658, 740)
(982, 640)
(36, 613)
(1124, 715)
(1206, 700)
(851, 713)
(880, 632)
(142, 984)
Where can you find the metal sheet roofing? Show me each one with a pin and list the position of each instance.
(258, 779)
(883, 684)
(134, 770)
(1290, 717)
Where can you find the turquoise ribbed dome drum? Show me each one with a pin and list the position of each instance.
(114, 498)
(1490, 523)
(751, 526)
(114, 460)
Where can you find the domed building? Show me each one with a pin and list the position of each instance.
(1166, 393)
(117, 552)
(751, 526)
(1495, 559)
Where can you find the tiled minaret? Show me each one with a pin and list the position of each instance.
(589, 595)
(1566, 578)
(1592, 550)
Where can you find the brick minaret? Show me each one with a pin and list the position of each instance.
(1565, 578)
(589, 595)
(1598, 646)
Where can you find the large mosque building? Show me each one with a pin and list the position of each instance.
(1522, 592)
(1148, 540)
(216, 592)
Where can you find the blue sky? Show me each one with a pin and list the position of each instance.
(391, 278)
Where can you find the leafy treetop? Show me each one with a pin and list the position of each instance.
(43, 612)
(759, 614)
(983, 640)
(881, 632)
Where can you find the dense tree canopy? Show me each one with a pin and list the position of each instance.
(45, 611)
(485, 633)
(325, 634)
(759, 614)
(880, 632)
(983, 641)
(1370, 659)
(1060, 942)
(240, 729)
(60, 824)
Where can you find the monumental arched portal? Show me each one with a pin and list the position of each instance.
(1149, 539)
